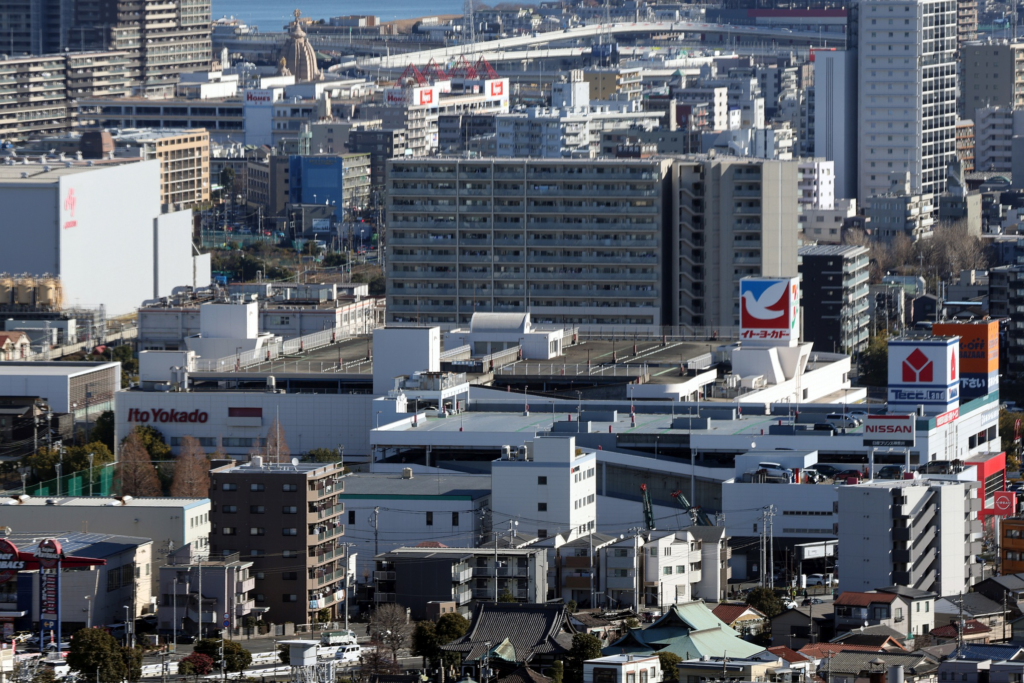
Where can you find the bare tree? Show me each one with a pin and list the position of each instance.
(276, 450)
(137, 474)
(389, 626)
(856, 237)
(191, 471)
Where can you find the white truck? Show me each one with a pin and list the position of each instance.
(338, 638)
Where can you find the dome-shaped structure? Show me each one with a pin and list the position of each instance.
(299, 56)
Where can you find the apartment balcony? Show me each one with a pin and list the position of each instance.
(462, 597)
(382, 598)
(328, 533)
(462, 575)
(243, 608)
(576, 562)
(384, 575)
(577, 582)
(245, 585)
(620, 583)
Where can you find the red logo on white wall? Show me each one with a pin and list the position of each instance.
(497, 88)
(69, 206)
(426, 96)
(1005, 502)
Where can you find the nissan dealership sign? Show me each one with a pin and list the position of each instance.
(889, 430)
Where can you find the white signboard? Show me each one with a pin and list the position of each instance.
(889, 430)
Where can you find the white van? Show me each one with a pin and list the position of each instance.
(842, 421)
(348, 654)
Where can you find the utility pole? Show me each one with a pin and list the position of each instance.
(200, 597)
(376, 514)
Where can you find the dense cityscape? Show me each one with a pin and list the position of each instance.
(305, 318)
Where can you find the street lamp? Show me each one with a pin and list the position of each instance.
(91, 456)
(129, 630)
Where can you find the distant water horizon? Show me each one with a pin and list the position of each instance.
(272, 15)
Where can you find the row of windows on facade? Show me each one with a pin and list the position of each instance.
(259, 488)
(259, 531)
(124, 575)
(198, 520)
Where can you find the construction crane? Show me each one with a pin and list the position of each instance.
(697, 516)
(648, 510)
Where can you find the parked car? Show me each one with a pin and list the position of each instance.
(842, 421)
(819, 580)
(789, 604)
(890, 472)
(812, 601)
(348, 654)
(849, 474)
(774, 469)
(825, 427)
(826, 471)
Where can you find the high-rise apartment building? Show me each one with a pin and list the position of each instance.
(917, 533)
(571, 241)
(966, 21)
(286, 520)
(835, 297)
(907, 93)
(37, 93)
(835, 115)
(990, 76)
(733, 218)
(163, 39)
(994, 130)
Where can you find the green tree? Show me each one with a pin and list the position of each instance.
(43, 463)
(103, 429)
(236, 657)
(874, 362)
(325, 454)
(196, 664)
(324, 615)
(557, 671)
(95, 654)
(428, 637)
(132, 657)
(668, 661)
(227, 179)
(451, 626)
(1008, 435)
(631, 622)
(424, 643)
(77, 457)
(584, 646)
(764, 601)
(506, 596)
(153, 442)
(571, 607)
(284, 653)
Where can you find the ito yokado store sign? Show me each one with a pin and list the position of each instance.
(48, 558)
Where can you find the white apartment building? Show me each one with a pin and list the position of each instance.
(816, 181)
(994, 128)
(907, 93)
(900, 211)
(832, 115)
(734, 218)
(717, 99)
(825, 226)
(548, 487)
(759, 143)
(669, 564)
(922, 534)
(555, 133)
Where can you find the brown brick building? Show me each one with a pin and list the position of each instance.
(286, 519)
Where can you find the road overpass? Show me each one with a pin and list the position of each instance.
(709, 35)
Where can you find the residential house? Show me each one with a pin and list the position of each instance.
(523, 674)
(903, 609)
(878, 638)
(856, 667)
(740, 617)
(800, 626)
(975, 606)
(689, 630)
(972, 631)
(14, 346)
(623, 669)
(1007, 586)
